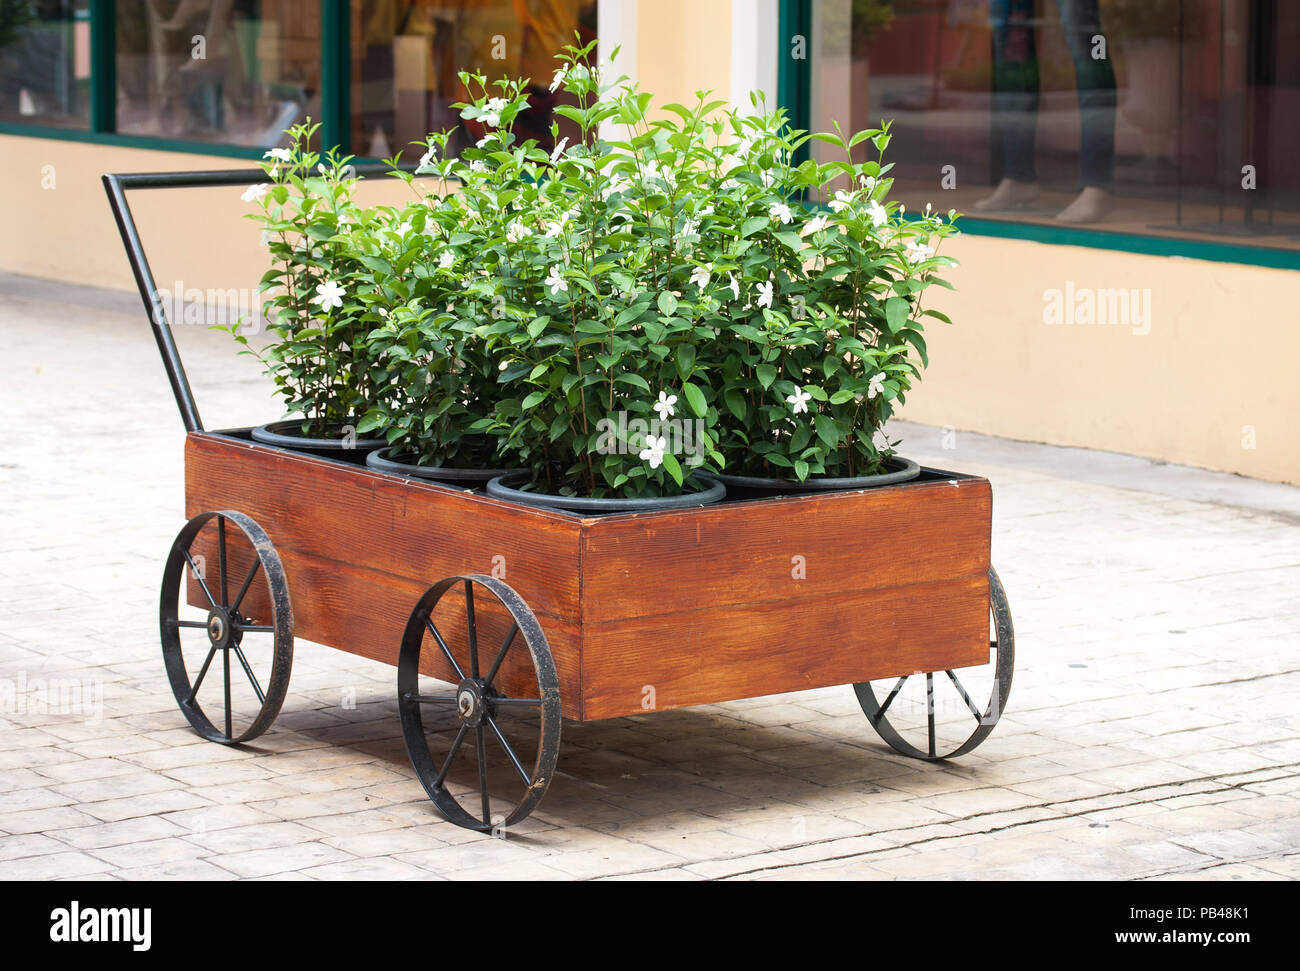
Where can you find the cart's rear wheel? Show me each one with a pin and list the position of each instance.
(924, 724)
(476, 739)
(245, 621)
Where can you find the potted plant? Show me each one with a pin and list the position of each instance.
(319, 356)
(666, 306)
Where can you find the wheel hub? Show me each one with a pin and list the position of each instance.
(472, 701)
(223, 628)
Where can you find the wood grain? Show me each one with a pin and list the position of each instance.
(702, 605)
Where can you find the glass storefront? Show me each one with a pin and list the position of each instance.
(1155, 117)
(44, 63)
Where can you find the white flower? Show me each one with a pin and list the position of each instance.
(446, 259)
(654, 450)
(799, 400)
(255, 193)
(868, 182)
(917, 250)
(404, 228)
(554, 229)
(483, 141)
(502, 366)
(782, 212)
(876, 212)
(559, 149)
(557, 80)
(267, 236)
(841, 201)
(817, 224)
(328, 294)
(665, 405)
(733, 286)
(320, 167)
(426, 160)
(765, 294)
(767, 178)
(516, 231)
(477, 166)
(877, 384)
(616, 184)
(555, 281)
(700, 275)
(283, 154)
(491, 115)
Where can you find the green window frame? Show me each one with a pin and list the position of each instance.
(794, 93)
(335, 91)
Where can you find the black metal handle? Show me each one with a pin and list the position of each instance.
(116, 186)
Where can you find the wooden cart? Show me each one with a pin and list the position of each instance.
(505, 619)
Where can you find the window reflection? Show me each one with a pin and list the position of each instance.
(406, 57)
(232, 71)
(1164, 117)
(44, 63)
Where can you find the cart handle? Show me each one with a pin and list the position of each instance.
(116, 187)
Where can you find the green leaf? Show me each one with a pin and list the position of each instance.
(534, 399)
(673, 467)
(667, 304)
(537, 325)
(896, 313)
(735, 400)
(800, 469)
(826, 430)
(695, 398)
(766, 375)
(685, 360)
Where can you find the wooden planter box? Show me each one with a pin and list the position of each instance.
(642, 611)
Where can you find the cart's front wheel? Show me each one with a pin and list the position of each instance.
(493, 748)
(919, 721)
(243, 617)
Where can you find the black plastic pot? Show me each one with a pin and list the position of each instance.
(384, 461)
(288, 434)
(900, 470)
(501, 487)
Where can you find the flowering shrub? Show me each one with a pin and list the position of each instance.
(667, 294)
(320, 360)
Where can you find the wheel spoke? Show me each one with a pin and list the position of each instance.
(187, 623)
(198, 575)
(445, 649)
(929, 705)
(243, 587)
(890, 700)
(501, 655)
(252, 678)
(526, 702)
(979, 717)
(202, 674)
(226, 660)
(451, 755)
(221, 560)
(257, 628)
(482, 774)
(509, 751)
(429, 700)
(471, 621)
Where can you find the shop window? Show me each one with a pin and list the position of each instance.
(1169, 118)
(235, 72)
(44, 63)
(406, 57)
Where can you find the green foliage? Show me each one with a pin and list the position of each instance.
(320, 308)
(571, 312)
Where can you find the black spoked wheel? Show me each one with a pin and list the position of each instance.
(935, 715)
(485, 755)
(243, 627)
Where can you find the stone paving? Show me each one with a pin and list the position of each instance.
(1152, 731)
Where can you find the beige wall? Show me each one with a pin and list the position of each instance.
(198, 236)
(684, 46)
(1218, 365)
(1222, 357)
